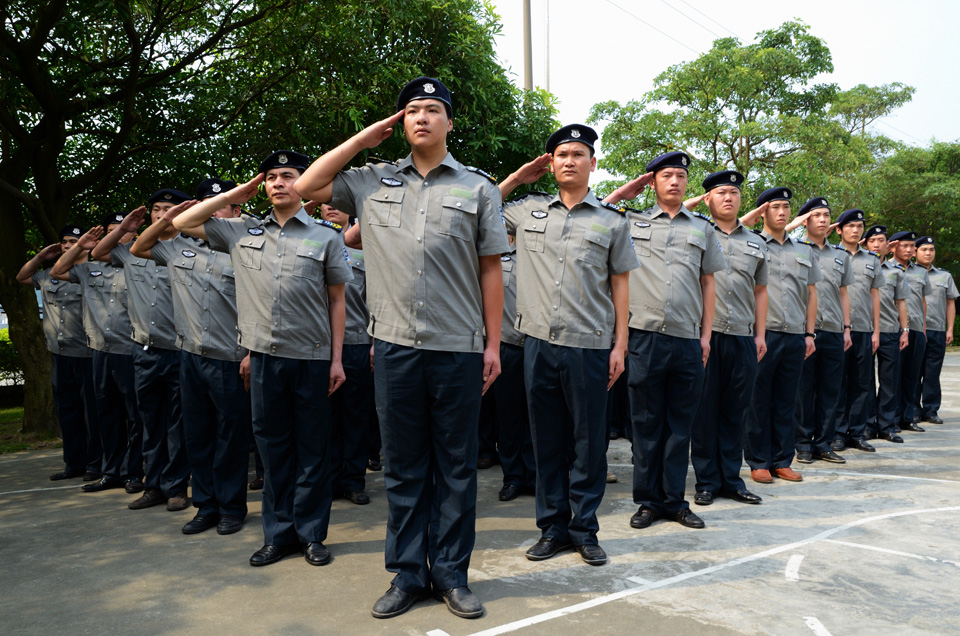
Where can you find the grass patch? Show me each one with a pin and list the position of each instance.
(12, 440)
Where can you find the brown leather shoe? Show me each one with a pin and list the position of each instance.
(761, 476)
(788, 474)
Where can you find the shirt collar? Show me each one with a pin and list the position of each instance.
(406, 164)
(589, 199)
(301, 216)
(656, 211)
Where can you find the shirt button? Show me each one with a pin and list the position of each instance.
(426, 183)
(558, 283)
(553, 336)
(554, 307)
(534, 226)
(419, 240)
(419, 343)
(422, 210)
(419, 272)
(668, 282)
(458, 204)
(275, 324)
(420, 303)
(561, 259)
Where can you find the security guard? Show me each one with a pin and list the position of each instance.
(573, 259)
(432, 240)
(216, 408)
(290, 272)
(894, 337)
(911, 357)
(857, 390)
(514, 444)
(941, 313)
(107, 326)
(791, 318)
(73, 386)
(820, 411)
(156, 358)
(737, 344)
(672, 299)
(350, 406)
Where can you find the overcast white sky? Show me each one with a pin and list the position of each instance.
(599, 51)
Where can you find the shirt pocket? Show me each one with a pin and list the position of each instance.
(309, 262)
(534, 236)
(228, 284)
(801, 269)
(594, 248)
(642, 239)
(694, 248)
(183, 271)
(136, 270)
(251, 252)
(384, 207)
(458, 217)
(745, 258)
(95, 283)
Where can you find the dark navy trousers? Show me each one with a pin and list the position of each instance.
(121, 429)
(930, 393)
(428, 404)
(567, 402)
(291, 425)
(770, 438)
(75, 398)
(216, 422)
(514, 445)
(858, 388)
(820, 384)
(884, 419)
(618, 407)
(716, 445)
(157, 373)
(666, 380)
(487, 428)
(911, 368)
(350, 408)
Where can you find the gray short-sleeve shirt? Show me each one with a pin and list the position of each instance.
(895, 288)
(564, 262)
(793, 267)
(422, 240)
(837, 269)
(62, 316)
(105, 318)
(204, 297)
(944, 290)
(867, 275)
(665, 292)
(918, 281)
(282, 274)
(150, 299)
(509, 333)
(358, 318)
(746, 256)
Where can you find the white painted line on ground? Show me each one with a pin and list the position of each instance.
(896, 552)
(850, 473)
(616, 596)
(792, 573)
(17, 492)
(639, 580)
(437, 632)
(816, 626)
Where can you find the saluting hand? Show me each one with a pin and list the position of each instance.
(50, 252)
(531, 171)
(373, 135)
(337, 377)
(178, 209)
(695, 201)
(245, 191)
(132, 222)
(630, 190)
(753, 216)
(89, 240)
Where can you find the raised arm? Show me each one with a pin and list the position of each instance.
(630, 190)
(141, 247)
(131, 223)
(61, 269)
(753, 216)
(47, 254)
(317, 182)
(191, 220)
(526, 174)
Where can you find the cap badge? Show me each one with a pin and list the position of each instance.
(683, 160)
(282, 159)
(823, 202)
(785, 195)
(733, 178)
(215, 187)
(575, 134)
(429, 88)
(76, 231)
(168, 196)
(859, 216)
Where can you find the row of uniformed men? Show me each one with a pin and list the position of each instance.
(434, 242)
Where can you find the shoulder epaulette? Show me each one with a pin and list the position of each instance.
(757, 232)
(839, 247)
(330, 224)
(635, 210)
(373, 159)
(521, 197)
(900, 267)
(872, 253)
(482, 174)
(615, 208)
(804, 241)
(704, 217)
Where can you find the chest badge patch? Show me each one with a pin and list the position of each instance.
(188, 253)
(96, 272)
(255, 231)
(390, 181)
(755, 246)
(642, 224)
(538, 214)
(838, 262)
(505, 259)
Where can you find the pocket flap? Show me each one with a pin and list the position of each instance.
(311, 249)
(459, 203)
(388, 195)
(597, 237)
(253, 242)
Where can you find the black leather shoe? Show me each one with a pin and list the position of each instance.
(743, 496)
(461, 602)
(316, 553)
(838, 445)
(256, 484)
(547, 547)
(891, 437)
(509, 492)
(830, 456)
(805, 457)
(358, 497)
(703, 498)
(375, 466)
(66, 474)
(199, 524)
(484, 463)
(862, 445)
(592, 554)
(933, 419)
(104, 483)
(395, 602)
(688, 518)
(272, 553)
(133, 486)
(643, 517)
(910, 426)
(150, 497)
(229, 524)
(91, 476)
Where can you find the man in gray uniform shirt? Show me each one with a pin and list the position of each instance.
(73, 386)
(941, 313)
(791, 318)
(156, 358)
(107, 326)
(672, 299)
(737, 344)
(216, 407)
(290, 271)
(574, 256)
(858, 389)
(432, 239)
